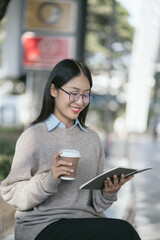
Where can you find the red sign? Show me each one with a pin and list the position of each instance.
(42, 52)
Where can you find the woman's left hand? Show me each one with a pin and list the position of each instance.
(113, 187)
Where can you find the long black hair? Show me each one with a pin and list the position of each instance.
(64, 71)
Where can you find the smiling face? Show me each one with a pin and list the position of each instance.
(65, 110)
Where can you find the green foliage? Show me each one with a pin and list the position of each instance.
(7, 146)
(10, 133)
(106, 25)
(5, 165)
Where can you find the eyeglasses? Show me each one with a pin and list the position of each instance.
(75, 95)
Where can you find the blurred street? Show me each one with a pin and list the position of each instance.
(139, 200)
(144, 151)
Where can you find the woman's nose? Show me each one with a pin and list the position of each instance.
(80, 100)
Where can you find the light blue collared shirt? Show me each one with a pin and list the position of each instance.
(53, 122)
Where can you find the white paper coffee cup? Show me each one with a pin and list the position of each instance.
(72, 156)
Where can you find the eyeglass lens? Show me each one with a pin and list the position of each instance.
(86, 98)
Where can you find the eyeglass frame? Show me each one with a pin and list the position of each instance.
(90, 95)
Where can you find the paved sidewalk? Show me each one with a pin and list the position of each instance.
(144, 152)
(139, 200)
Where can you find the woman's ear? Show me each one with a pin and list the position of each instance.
(53, 90)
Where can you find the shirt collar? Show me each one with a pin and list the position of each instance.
(52, 122)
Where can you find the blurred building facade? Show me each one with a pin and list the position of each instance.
(38, 35)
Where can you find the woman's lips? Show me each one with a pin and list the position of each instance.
(75, 110)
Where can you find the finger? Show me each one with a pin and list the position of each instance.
(109, 183)
(129, 178)
(106, 184)
(122, 180)
(63, 163)
(56, 157)
(115, 180)
(64, 171)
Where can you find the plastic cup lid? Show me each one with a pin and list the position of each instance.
(70, 153)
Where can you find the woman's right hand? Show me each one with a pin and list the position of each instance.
(60, 167)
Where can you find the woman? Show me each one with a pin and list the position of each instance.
(46, 206)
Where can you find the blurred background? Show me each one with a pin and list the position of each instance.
(119, 40)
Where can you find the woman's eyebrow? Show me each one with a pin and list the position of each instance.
(79, 89)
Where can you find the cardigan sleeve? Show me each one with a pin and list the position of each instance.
(100, 199)
(26, 187)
